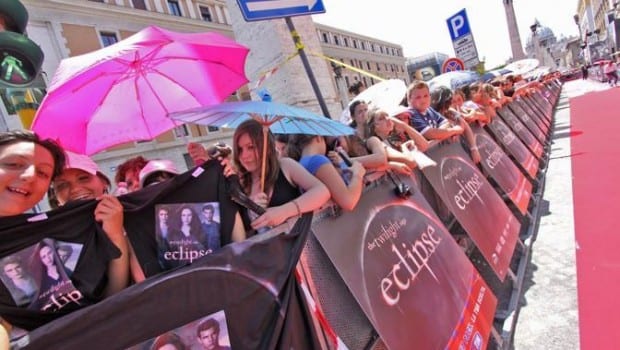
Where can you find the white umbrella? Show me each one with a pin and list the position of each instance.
(523, 66)
(385, 94)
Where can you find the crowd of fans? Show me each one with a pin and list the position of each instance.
(303, 172)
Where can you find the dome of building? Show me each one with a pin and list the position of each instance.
(545, 35)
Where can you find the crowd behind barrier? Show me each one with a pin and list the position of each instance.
(435, 257)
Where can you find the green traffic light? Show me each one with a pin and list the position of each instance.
(20, 59)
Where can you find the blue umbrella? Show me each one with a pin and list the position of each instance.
(454, 80)
(281, 118)
(277, 117)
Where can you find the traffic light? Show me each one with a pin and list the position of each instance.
(20, 57)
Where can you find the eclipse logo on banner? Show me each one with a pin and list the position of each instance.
(475, 204)
(503, 170)
(416, 284)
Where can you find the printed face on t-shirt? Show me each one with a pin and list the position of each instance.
(47, 256)
(208, 214)
(208, 338)
(186, 216)
(14, 271)
(163, 217)
(420, 99)
(26, 170)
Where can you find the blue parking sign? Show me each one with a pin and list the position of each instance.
(458, 25)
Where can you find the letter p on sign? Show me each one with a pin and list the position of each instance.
(458, 25)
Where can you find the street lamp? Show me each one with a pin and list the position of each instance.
(342, 90)
(586, 44)
(535, 42)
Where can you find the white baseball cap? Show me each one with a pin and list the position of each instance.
(157, 165)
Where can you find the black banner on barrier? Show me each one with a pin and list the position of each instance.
(521, 131)
(497, 164)
(515, 147)
(528, 121)
(544, 104)
(407, 273)
(532, 110)
(247, 288)
(475, 204)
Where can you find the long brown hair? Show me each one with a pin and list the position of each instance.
(254, 130)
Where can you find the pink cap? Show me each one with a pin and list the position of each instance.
(84, 163)
(156, 165)
(81, 162)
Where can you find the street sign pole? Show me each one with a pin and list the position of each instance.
(306, 63)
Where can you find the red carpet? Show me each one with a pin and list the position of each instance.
(595, 136)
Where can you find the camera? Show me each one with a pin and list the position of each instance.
(219, 149)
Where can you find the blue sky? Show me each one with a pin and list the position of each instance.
(422, 29)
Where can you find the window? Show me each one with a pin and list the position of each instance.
(174, 8)
(363, 46)
(381, 49)
(355, 43)
(378, 67)
(139, 4)
(336, 40)
(346, 42)
(108, 38)
(368, 65)
(181, 131)
(206, 14)
(189, 162)
(325, 38)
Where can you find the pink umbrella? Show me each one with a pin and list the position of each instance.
(124, 92)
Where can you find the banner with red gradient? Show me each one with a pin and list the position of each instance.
(475, 204)
(515, 147)
(507, 175)
(414, 283)
(521, 131)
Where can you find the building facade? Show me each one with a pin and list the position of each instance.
(66, 28)
(361, 54)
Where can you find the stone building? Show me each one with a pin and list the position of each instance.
(66, 28)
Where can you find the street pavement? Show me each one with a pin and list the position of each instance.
(548, 317)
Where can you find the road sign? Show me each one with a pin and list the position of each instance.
(463, 39)
(257, 10)
(465, 49)
(452, 64)
(458, 25)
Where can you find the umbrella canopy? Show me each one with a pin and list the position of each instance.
(385, 94)
(281, 118)
(277, 117)
(454, 80)
(490, 75)
(124, 92)
(523, 66)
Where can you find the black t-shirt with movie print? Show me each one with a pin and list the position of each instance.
(194, 188)
(29, 240)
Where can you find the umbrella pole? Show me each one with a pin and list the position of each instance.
(264, 159)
